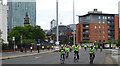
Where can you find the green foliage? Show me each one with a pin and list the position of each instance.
(29, 41)
(119, 39)
(69, 41)
(110, 41)
(29, 34)
(5, 47)
(84, 41)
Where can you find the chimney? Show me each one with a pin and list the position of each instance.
(95, 10)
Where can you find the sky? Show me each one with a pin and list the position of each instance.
(46, 10)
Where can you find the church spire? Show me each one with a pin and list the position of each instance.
(26, 20)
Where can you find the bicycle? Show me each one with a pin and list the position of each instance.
(62, 59)
(92, 58)
(67, 55)
(75, 58)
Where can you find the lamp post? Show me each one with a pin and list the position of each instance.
(57, 31)
(14, 43)
(21, 44)
(73, 22)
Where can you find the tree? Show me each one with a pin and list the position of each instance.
(84, 41)
(119, 39)
(29, 34)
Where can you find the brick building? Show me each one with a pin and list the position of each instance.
(97, 26)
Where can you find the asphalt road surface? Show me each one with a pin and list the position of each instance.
(54, 58)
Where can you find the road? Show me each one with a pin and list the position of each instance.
(53, 58)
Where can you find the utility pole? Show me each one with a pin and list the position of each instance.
(57, 36)
(73, 22)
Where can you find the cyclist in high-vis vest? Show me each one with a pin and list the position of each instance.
(92, 53)
(67, 51)
(96, 47)
(76, 50)
(101, 48)
(70, 48)
(85, 46)
(62, 52)
(43, 47)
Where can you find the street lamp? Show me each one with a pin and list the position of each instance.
(21, 44)
(14, 43)
(73, 22)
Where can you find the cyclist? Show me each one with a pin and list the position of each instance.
(92, 54)
(100, 48)
(85, 46)
(48, 47)
(76, 50)
(62, 51)
(43, 47)
(67, 51)
(96, 47)
(52, 47)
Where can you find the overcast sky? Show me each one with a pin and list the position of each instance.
(46, 10)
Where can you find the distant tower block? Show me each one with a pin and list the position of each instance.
(26, 20)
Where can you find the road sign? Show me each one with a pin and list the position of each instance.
(38, 41)
(113, 41)
(13, 38)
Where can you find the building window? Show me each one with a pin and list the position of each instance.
(95, 27)
(95, 40)
(99, 36)
(103, 22)
(95, 31)
(103, 17)
(108, 17)
(99, 22)
(103, 40)
(99, 40)
(99, 17)
(103, 27)
(95, 36)
(99, 31)
(99, 27)
(87, 26)
(108, 22)
(86, 30)
(103, 32)
(103, 36)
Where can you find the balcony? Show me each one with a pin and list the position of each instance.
(110, 20)
(86, 28)
(86, 33)
(85, 23)
(86, 38)
(110, 23)
(111, 28)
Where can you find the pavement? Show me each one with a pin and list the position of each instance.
(54, 58)
(16, 54)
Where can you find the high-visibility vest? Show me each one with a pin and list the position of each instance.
(100, 46)
(76, 48)
(91, 50)
(67, 49)
(96, 46)
(85, 45)
(62, 51)
(47, 46)
(52, 46)
(43, 47)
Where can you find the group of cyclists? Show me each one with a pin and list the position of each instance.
(64, 51)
